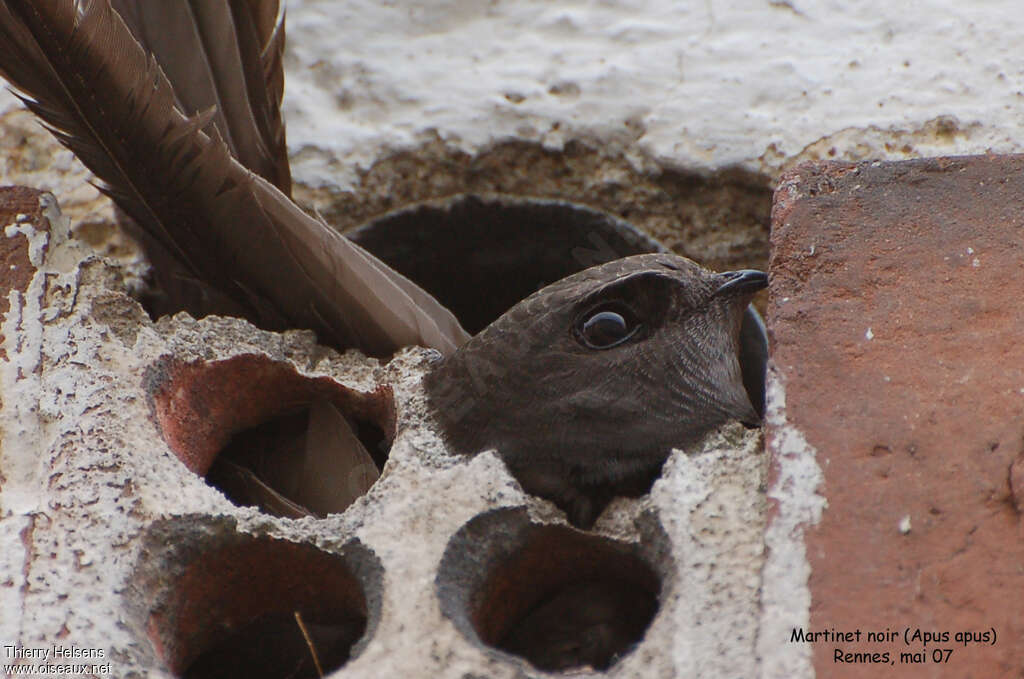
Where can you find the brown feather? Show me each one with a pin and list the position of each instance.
(212, 52)
(244, 487)
(307, 463)
(240, 242)
(336, 468)
(260, 26)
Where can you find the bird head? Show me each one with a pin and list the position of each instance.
(602, 373)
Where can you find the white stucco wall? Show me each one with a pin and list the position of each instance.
(702, 85)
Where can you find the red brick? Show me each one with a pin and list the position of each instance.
(896, 318)
(15, 268)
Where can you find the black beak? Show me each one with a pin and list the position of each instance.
(743, 281)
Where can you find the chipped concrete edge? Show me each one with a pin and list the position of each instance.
(794, 490)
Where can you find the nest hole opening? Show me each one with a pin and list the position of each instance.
(479, 255)
(222, 605)
(556, 597)
(306, 462)
(269, 437)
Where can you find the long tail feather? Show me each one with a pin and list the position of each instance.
(225, 55)
(239, 241)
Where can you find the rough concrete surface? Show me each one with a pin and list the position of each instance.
(114, 546)
(699, 86)
(895, 323)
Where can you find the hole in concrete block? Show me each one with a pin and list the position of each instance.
(555, 596)
(269, 437)
(217, 603)
(479, 256)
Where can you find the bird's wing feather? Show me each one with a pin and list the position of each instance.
(225, 55)
(238, 242)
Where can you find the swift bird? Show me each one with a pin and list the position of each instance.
(584, 387)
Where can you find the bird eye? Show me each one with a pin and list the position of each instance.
(606, 328)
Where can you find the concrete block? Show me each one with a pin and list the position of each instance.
(120, 559)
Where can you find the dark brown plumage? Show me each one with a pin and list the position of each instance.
(585, 386)
(223, 236)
